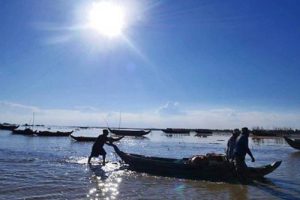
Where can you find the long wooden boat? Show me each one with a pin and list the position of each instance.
(129, 132)
(264, 133)
(182, 168)
(26, 131)
(274, 133)
(295, 143)
(83, 139)
(203, 132)
(9, 127)
(53, 134)
(176, 130)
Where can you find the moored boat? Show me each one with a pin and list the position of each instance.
(83, 139)
(26, 131)
(54, 134)
(214, 169)
(203, 132)
(274, 133)
(7, 126)
(129, 132)
(295, 143)
(176, 130)
(263, 133)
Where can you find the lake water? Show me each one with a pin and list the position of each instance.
(34, 167)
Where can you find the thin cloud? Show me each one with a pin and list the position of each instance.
(169, 115)
(6, 106)
(170, 108)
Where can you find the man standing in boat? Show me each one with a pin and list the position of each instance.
(240, 151)
(231, 145)
(98, 149)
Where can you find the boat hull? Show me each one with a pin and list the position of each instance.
(53, 134)
(84, 139)
(176, 131)
(181, 168)
(125, 132)
(8, 127)
(26, 131)
(293, 143)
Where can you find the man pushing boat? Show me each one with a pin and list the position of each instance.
(98, 149)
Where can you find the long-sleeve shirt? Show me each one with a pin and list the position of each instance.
(230, 147)
(241, 147)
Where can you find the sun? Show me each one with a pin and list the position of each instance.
(107, 18)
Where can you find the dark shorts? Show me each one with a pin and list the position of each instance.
(97, 152)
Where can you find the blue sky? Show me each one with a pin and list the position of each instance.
(175, 59)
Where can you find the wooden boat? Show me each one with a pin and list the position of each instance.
(182, 168)
(264, 133)
(176, 130)
(203, 132)
(9, 127)
(129, 132)
(273, 133)
(295, 143)
(26, 131)
(54, 134)
(83, 139)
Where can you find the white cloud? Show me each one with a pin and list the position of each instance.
(170, 108)
(169, 115)
(86, 108)
(15, 106)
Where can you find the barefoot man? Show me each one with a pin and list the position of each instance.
(98, 146)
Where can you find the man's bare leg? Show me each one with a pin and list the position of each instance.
(103, 160)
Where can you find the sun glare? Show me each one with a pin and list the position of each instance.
(107, 18)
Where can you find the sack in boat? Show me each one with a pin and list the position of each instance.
(198, 160)
(215, 157)
(208, 159)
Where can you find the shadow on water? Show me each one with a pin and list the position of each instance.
(265, 140)
(139, 137)
(104, 172)
(98, 171)
(177, 135)
(295, 154)
(234, 191)
(274, 187)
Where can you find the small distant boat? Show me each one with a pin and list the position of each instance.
(83, 139)
(181, 168)
(129, 132)
(295, 143)
(26, 131)
(9, 127)
(176, 130)
(54, 134)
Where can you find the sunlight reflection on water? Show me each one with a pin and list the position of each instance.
(107, 180)
(55, 168)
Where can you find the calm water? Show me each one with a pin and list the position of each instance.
(54, 168)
